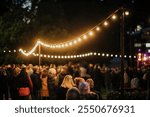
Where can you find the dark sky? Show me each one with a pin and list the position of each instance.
(84, 14)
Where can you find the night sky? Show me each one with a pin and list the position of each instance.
(84, 14)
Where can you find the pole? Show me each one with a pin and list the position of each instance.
(122, 49)
(39, 55)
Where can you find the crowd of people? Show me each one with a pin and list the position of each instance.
(72, 81)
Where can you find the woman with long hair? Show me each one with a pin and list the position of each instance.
(24, 85)
(66, 84)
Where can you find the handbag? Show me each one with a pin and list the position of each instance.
(24, 91)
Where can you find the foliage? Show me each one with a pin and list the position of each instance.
(21, 26)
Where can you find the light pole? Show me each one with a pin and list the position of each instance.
(39, 55)
(122, 38)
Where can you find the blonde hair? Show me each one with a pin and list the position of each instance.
(68, 82)
(91, 82)
(78, 80)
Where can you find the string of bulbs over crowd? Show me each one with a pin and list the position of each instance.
(74, 56)
(72, 42)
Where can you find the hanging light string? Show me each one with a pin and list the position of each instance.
(75, 55)
(84, 36)
(89, 54)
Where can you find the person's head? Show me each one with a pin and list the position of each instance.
(73, 94)
(44, 73)
(68, 82)
(36, 69)
(16, 71)
(84, 88)
(78, 80)
(52, 72)
(23, 73)
(90, 82)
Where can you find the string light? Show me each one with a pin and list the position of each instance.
(114, 17)
(72, 42)
(97, 28)
(111, 55)
(126, 13)
(84, 37)
(90, 33)
(105, 23)
(81, 55)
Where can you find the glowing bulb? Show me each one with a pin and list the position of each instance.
(66, 44)
(14, 50)
(97, 28)
(70, 43)
(79, 39)
(48, 56)
(126, 13)
(114, 17)
(9, 50)
(107, 55)
(111, 55)
(99, 54)
(52, 56)
(103, 54)
(44, 56)
(84, 37)
(125, 56)
(4, 51)
(105, 23)
(19, 50)
(90, 33)
(54, 46)
(95, 53)
(74, 41)
(62, 45)
(116, 55)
